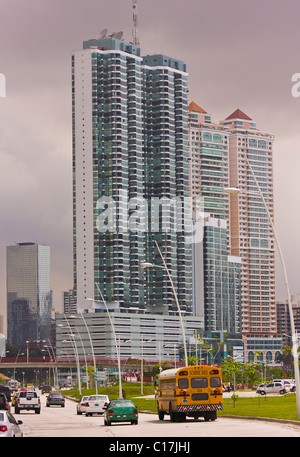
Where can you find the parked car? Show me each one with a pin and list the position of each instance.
(292, 384)
(81, 405)
(288, 384)
(46, 389)
(55, 399)
(4, 403)
(271, 388)
(96, 404)
(9, 427)
(121, 411)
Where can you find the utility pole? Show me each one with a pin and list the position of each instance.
(135, 36)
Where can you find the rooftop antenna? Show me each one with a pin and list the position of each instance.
(136, 40)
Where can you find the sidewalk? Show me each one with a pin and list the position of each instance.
(240, 393)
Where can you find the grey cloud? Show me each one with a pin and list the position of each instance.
(238, 54)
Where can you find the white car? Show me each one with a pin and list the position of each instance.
(9, 427)
(271, 388)
(81, 405)
(96, 404)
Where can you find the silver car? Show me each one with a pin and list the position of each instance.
(81, 405)
(9, 427)
(271, 388)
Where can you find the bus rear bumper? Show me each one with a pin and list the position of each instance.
(198, 408)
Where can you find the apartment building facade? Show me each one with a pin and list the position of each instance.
(251, 235)
(216, 274)
(130, 149)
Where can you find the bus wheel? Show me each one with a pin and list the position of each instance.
(210, 416)
(172, 414)
(161, 415)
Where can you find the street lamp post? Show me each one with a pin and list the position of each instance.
(149, 265)
(15, 366)
(142, 363)
(93, 353)
(73, 342)
(293, 331)
(54, 358)
(115, 339)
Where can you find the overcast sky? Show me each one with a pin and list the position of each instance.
(239, 53)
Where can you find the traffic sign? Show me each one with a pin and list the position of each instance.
(99, 375)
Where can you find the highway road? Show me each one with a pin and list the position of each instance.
(64, 422)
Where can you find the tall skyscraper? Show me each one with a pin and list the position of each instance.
(28, 293)
(216, 274)
(130, 151)
(251, 236)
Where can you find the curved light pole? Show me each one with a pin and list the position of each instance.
(232, 190)
(73, 342)
(142, 362)
(90, 338)
(15, 366)
(52, 360)
(149, 265)
(115, 339)
(55, 372)
(85, 359)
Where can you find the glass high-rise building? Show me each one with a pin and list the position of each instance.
(251, 236)
(217, 277)
(28, 293)
(130, 157)
(222, 280)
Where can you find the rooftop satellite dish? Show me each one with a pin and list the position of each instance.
(103, 33)
(119, 35)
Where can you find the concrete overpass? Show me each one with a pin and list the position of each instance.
(71, 362)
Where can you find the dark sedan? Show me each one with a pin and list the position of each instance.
(55, 399)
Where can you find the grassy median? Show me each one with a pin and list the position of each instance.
(275, 407)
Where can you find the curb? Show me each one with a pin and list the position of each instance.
(268, 419)
(265, 419)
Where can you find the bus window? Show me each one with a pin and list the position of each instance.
(199, 383)
(215, 382)
(183, 383)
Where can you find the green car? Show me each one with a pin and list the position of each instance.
(55, 399)
(120, 411)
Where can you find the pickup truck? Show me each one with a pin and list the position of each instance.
(28, 401)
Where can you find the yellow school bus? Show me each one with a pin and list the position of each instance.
(194, 391)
